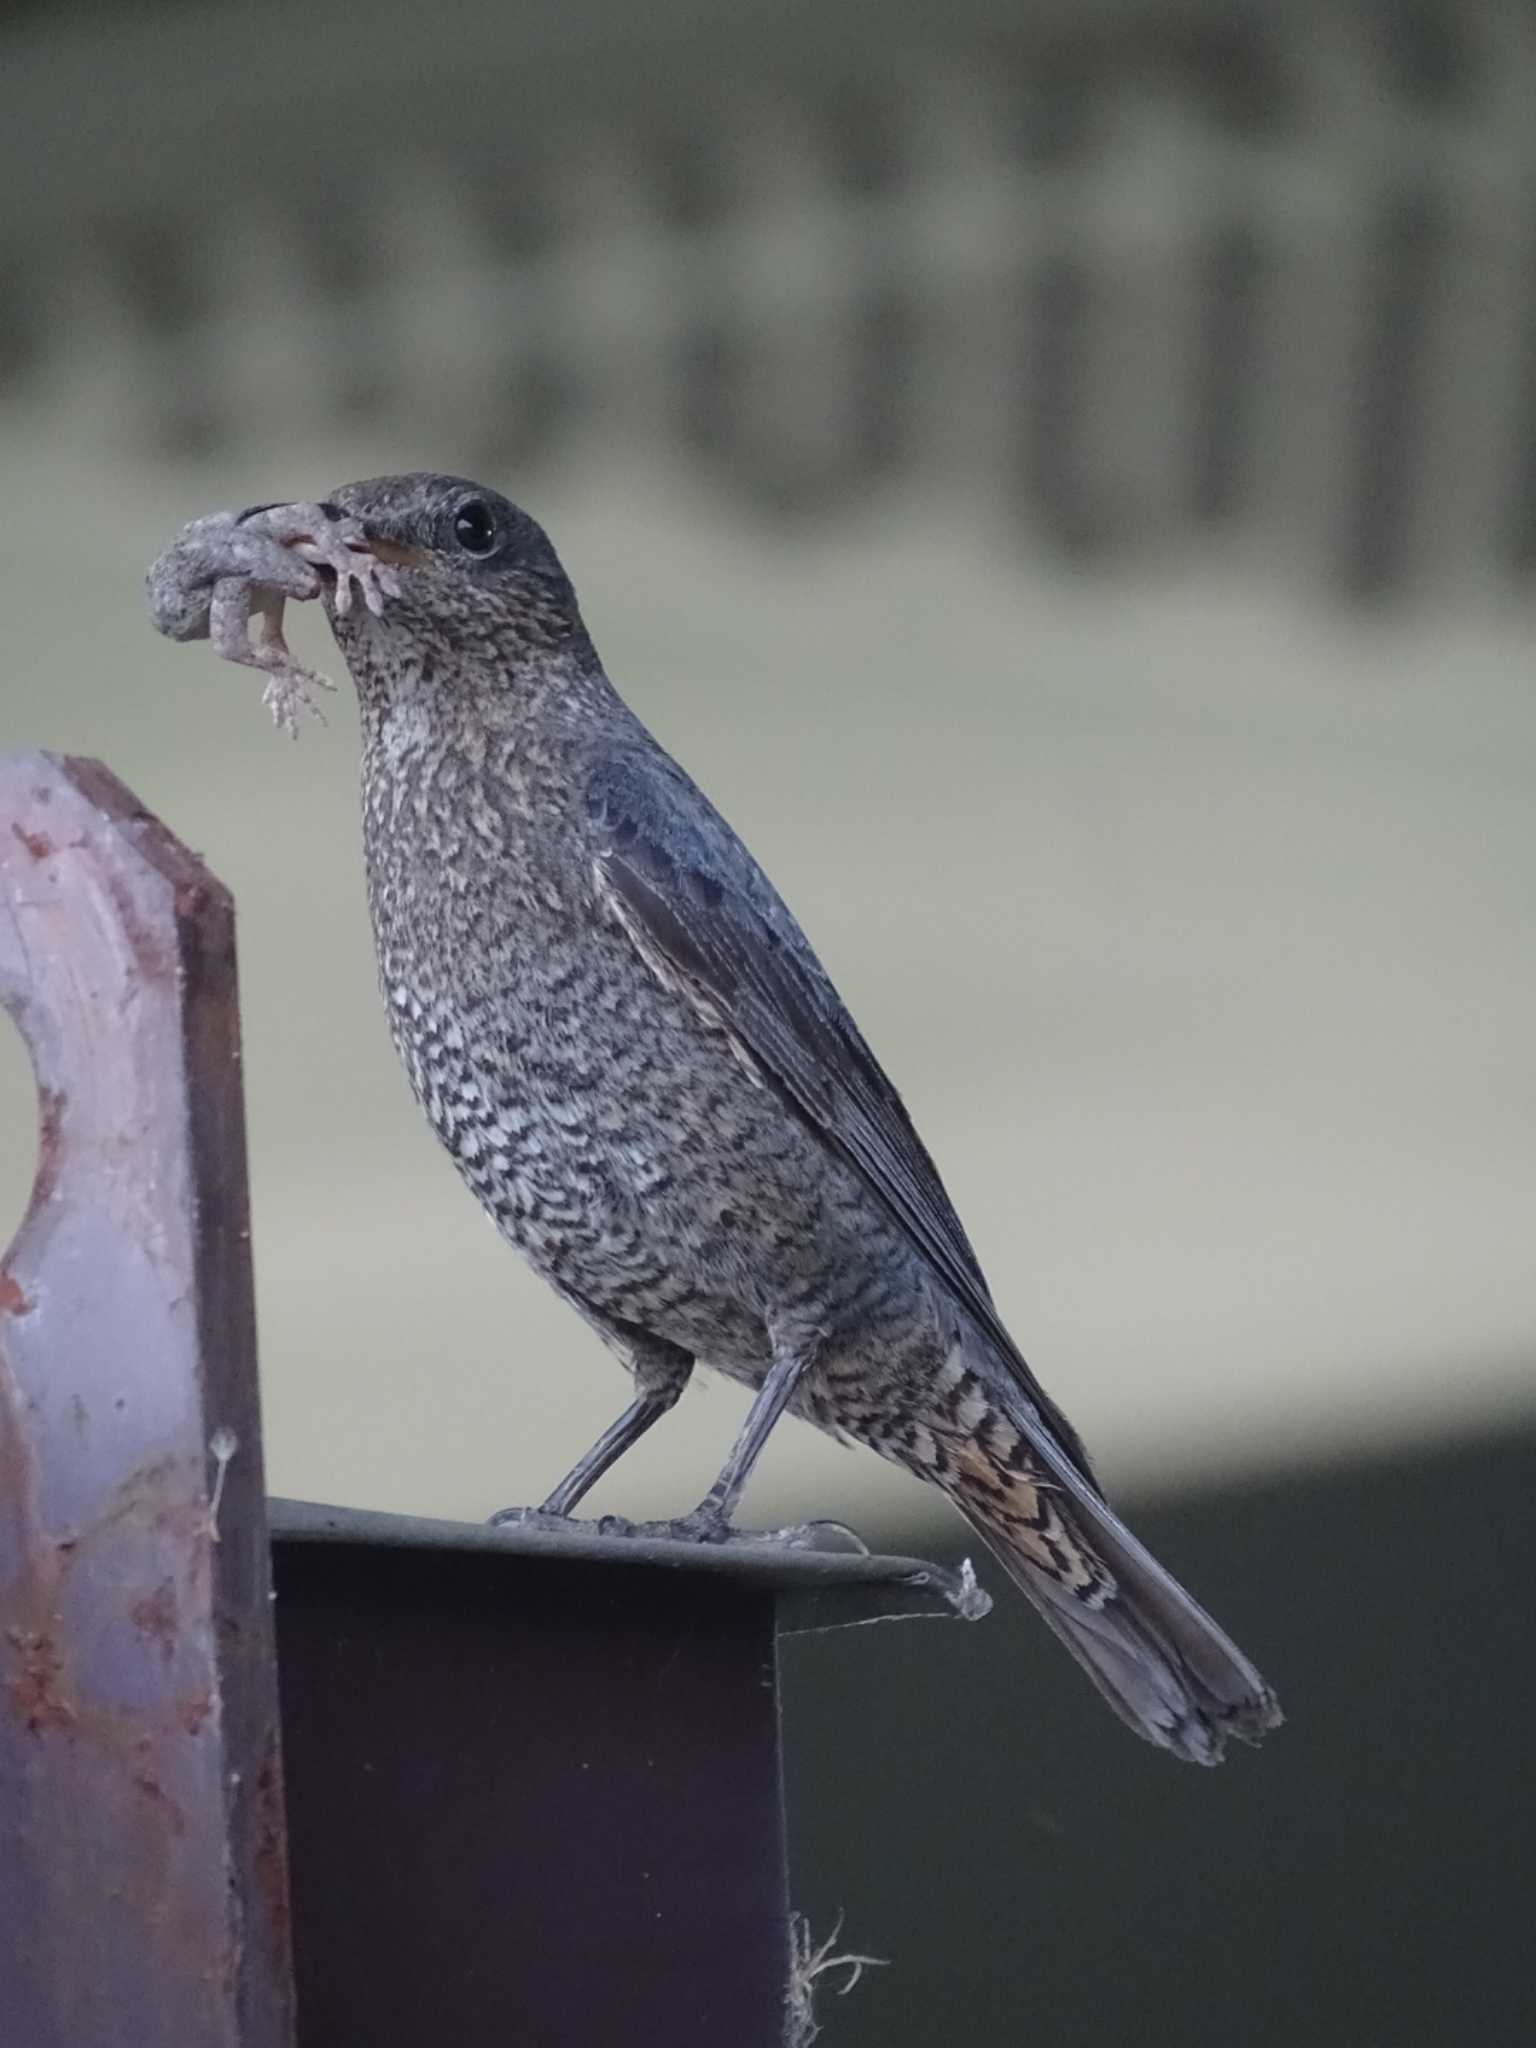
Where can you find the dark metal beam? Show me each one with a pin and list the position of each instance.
(535, 1781)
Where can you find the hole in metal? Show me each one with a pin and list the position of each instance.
(18, 1128)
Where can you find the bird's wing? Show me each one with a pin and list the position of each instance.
(702, 913)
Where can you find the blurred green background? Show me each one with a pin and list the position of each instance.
(1063, 477)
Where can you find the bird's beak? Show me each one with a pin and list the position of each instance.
(393, 553)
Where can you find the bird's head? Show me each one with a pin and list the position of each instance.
(482, 599)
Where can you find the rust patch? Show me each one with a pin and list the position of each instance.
(38, 844)
(152, 956)
(50, 1142)
(34, 1696)
(192, 1712)
(155, 1792)
(154, 1614)
(271, 1850)
(12, 1300)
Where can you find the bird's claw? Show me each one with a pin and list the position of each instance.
(698, 1527)
(704, 1524)
(545, 1520)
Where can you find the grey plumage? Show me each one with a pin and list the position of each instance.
(644, 1073)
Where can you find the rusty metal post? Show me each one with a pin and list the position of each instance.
(143, 1882)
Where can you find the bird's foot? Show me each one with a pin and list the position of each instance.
(548, 1521)
(832, 1537)
(705, 1524)
(224, 572)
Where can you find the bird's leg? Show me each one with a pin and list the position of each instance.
(661, 1372)
(619, 1437)
(711, 1519)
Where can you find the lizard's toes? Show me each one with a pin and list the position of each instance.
(288, 692)
(358, 572)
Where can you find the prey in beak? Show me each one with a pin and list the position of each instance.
(228, 578)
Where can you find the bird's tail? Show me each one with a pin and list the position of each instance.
(1158, 1658)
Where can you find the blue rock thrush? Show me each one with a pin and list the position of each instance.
(645, 1074)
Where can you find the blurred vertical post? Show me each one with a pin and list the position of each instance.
(143, 1883)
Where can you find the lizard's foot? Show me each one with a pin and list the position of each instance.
(237, 606)
(334, 543)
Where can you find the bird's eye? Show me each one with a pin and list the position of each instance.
(474, 527)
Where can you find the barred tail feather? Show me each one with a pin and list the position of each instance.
(1157, 1657)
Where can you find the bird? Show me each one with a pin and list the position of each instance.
(645, 1075)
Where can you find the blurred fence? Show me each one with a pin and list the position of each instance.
(1138, 274)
